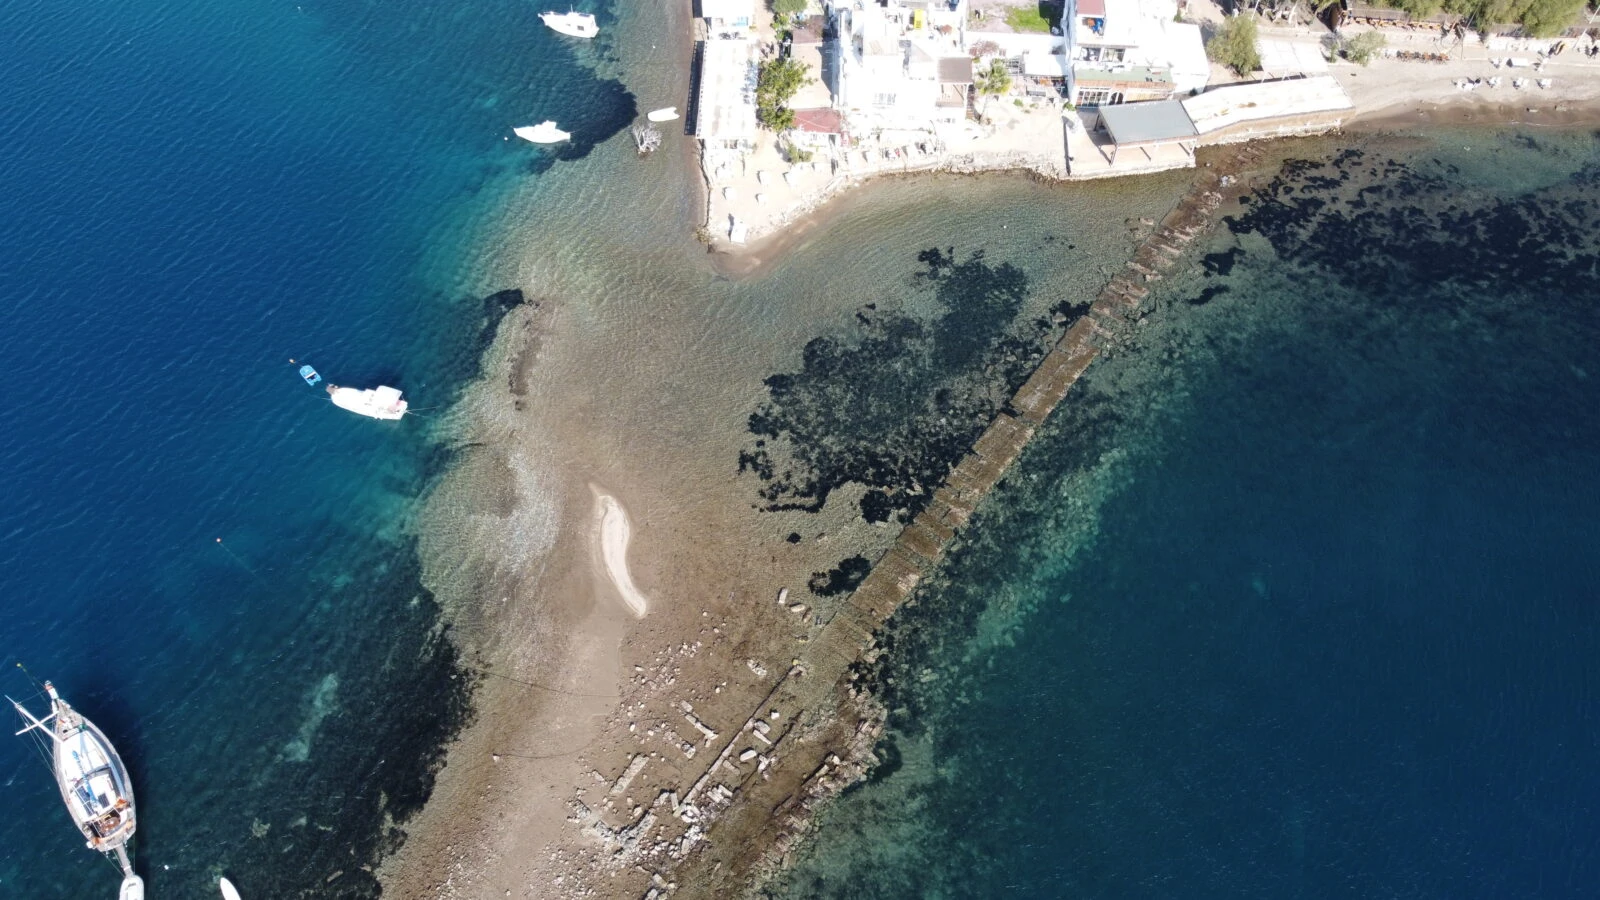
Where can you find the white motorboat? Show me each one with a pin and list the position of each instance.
(379, 402)
(229, 892)
(576, 24)
(545, 132)
(665, 114)
(93, 781)
(738, 232)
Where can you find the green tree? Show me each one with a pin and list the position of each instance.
(777, 81)
(993, 81)
(788, 8)
(1547, 18)
(1539, 18)
(1420, 9)
(1361, 48)
(1234, 45)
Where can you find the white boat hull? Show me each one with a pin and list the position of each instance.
(377, 403)
(229, 892)
(665, 114)
(542, 133)
(573, 24)
(93, 781)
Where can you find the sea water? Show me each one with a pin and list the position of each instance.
(1294, 595)
(207, 558)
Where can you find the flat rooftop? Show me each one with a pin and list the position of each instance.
(1231, 104)
(727, 107)
(1089, 72)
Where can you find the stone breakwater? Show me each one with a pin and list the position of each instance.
(813, 733)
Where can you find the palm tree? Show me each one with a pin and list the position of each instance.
(992, 82)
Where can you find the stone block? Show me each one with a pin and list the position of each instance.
(922, 541)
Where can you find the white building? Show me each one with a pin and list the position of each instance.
(901, 64)
(1131, 50)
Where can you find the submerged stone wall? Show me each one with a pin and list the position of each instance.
(792, 751)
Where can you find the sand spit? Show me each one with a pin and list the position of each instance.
(614, 532)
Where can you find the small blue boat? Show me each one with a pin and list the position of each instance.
(310, 375)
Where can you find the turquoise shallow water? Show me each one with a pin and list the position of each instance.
(194, 194)
(1294, 596)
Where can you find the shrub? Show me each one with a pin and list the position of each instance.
(1234, 45)
(797, 154)
(1361, 48)
(788, 8)
(981, 49)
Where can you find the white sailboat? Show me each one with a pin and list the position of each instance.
(576, 24)
(545, 132)
(93, 781)
(379, 402)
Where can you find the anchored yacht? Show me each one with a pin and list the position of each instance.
(379, 403)
(94, 782)
(576, 24)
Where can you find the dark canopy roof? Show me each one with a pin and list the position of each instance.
(1161, 121)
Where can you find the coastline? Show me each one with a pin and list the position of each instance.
(1385, 94)
(570, 681)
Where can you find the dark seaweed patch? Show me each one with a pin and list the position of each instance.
(841, 579)
(1209, 294)
(1222, 263)
(1411, 228)
(895, 404)
(373, 763)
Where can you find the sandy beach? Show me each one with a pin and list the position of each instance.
(627, 638)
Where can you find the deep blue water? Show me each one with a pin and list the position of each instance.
(190, 195)
(1295, 596)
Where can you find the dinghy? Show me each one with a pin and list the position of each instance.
(665, 114)
(310, 375)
